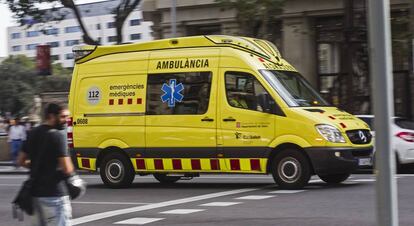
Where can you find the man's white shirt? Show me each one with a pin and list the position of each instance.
(17, 132)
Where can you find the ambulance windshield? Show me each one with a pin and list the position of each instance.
(293, 88)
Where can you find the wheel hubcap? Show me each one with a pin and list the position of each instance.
(289, 170)
(114, 171)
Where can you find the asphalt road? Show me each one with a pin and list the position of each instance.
(224, 200)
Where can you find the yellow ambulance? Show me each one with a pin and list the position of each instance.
(176, 108)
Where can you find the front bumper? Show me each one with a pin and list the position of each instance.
(346, 160)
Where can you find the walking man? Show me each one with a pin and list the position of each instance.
(50, 163)
(16, 136)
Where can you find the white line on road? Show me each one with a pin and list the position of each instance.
(285, 191)
(103, 215)
(364, 180)
(256, 197)
(11, 185)
(139, 221)
(220, 204)
(316, 181)
(113, 203)
(182, 211)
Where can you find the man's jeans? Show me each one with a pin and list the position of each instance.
(52, 211)
(15, 146)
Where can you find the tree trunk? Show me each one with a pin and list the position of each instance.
(87, 39)
(123, 10)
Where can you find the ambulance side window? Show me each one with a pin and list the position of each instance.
(243, 90)
(178, 93)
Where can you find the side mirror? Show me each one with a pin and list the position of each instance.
(266, 102)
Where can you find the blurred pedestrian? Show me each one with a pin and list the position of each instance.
(16, 136)
(46, 150)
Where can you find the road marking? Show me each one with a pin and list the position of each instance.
(316, 181)
(113, 203)
(108, 214)
(182, 211)
(255, 197)
(11, 185)
(13, 177)
(350, 182)
(139, 220)
(364, 180)
(285, 191)
(220, 204)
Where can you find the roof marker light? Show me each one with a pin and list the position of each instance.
(80, 52)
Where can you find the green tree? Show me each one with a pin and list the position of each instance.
(256, 18)
(24, 9)
(20, 83)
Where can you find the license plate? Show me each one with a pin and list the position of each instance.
(364, 162)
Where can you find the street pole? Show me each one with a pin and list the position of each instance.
(174, 18)
(382, 84)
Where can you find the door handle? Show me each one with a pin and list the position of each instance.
(230, 119)
(207, 119)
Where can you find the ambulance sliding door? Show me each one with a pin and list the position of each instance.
(181, 117)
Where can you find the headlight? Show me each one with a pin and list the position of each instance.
(330, 133)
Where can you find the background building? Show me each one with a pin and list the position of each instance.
(326, 41)
(63, 35)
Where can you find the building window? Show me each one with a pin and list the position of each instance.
(16, 48)
(52, 31)
(53, 44)
(112, 39)
(71, 42)
(72, 29)
(32, 33)
(31, 46)
(69, 56)
(110, 25)
(134, 22)
(193, 87)
(100, 40)
(15, 35)
(243, 90)
(98, 26)
(54, 57)
(135, 36)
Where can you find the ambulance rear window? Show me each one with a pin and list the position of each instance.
(178, 93)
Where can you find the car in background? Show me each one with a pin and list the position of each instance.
(402, 139)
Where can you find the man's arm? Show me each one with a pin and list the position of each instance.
(66, 165)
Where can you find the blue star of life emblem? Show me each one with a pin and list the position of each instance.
(172, 92)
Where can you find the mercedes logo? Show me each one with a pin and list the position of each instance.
(362, 136)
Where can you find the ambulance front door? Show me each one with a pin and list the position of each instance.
(245, 126)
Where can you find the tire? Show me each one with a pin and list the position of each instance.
(334, 178)
(291, 169)
(116, 170)
(164, 179)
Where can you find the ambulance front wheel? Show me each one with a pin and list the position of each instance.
(116, 170)
(291, 169)
(164, 179)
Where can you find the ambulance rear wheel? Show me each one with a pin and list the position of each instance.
(116, 170)
(164, 179)
(291, 169)
(335, 178)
